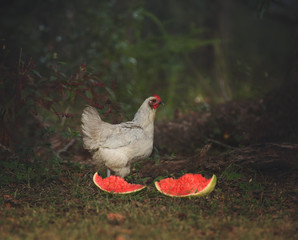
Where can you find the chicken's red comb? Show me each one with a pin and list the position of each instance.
(157, 97)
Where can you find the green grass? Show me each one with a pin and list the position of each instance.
(244, 205)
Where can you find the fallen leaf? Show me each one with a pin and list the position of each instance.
(126, 231)
(8, 205)
(115, 218)
(120, 237)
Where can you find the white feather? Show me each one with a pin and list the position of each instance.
(119, 145)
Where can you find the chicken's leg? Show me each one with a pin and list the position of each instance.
(108, 172)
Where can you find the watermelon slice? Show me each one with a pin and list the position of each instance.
(189, 185)
(116, 185)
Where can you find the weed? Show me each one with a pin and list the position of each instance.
(71, 206)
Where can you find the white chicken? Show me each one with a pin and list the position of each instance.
(120, 145)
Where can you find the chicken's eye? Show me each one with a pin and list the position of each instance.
(153, 103)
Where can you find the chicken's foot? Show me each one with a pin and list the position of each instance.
(108, 172)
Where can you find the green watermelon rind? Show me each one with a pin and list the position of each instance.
(207, 190)
(112, 192)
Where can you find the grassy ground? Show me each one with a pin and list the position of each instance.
(244, 205)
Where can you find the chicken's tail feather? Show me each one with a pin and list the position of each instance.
(91, 122)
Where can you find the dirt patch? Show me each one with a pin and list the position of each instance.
(236, 123)
(263, 157)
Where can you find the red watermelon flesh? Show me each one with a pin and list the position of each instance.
(187, 185)
(116, 184)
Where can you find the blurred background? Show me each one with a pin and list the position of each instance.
(58, 56)
(187, 52)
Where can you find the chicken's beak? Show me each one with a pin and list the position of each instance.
(159, 103)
